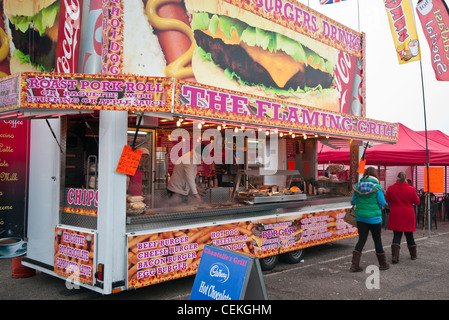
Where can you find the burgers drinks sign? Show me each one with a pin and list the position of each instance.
(280, 50)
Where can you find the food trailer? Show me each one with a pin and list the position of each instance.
(258, 177)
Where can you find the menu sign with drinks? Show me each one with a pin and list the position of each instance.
(14, 154)
(74, 254)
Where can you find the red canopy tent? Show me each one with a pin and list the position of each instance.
(409, 150)
(436, 135)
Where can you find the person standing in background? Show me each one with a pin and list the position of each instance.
(402, 220)
(182, 181)
(135, 182)
(368, 199)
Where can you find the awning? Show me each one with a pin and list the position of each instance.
(409, 150)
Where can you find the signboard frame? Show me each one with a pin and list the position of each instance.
(222, 263)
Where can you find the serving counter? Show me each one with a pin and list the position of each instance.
(170, 217)
(265, 230)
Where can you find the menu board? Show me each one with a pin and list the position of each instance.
(167, 255)
(74, 254)
(14, 156)
(129, 161)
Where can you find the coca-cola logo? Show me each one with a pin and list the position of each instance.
(69, 33)
(343, 71)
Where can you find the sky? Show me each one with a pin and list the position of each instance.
(394, 92)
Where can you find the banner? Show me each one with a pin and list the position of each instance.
(434, 17)
(172, 254)
(14, 158)
(207, 102)
(403, 30)
(297, 54)
(330, 1)
(94, 92)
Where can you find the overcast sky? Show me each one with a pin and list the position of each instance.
(394, 92)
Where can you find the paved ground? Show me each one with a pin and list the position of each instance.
(323, 275)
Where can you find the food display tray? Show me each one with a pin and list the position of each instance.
(272, 198)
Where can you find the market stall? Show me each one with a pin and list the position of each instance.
(256, 178)
(409, 150)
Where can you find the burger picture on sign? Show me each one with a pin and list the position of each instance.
(33, 30)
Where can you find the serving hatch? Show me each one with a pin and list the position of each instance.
(267, 193)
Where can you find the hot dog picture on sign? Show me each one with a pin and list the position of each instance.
(288, 52)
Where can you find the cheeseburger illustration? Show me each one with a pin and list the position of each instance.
(239, 50)
(270, 233)
(33, 27)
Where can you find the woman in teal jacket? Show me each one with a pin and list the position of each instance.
(369, 199)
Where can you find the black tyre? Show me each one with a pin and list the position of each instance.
(268, 263)
(293, 256)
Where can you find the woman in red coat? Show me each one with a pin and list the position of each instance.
(402, 219)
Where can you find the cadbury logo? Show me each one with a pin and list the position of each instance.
(219, 271)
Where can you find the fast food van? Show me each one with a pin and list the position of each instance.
(262, 192)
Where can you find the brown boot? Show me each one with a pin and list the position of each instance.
(355, 266)
(383, 265)
(412, 250)
(395, 248)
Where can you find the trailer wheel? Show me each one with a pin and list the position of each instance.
(268, 263)
(293, 256)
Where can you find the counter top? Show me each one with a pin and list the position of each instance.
(214, 213)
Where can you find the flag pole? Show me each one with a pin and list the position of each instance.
(427, 202)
